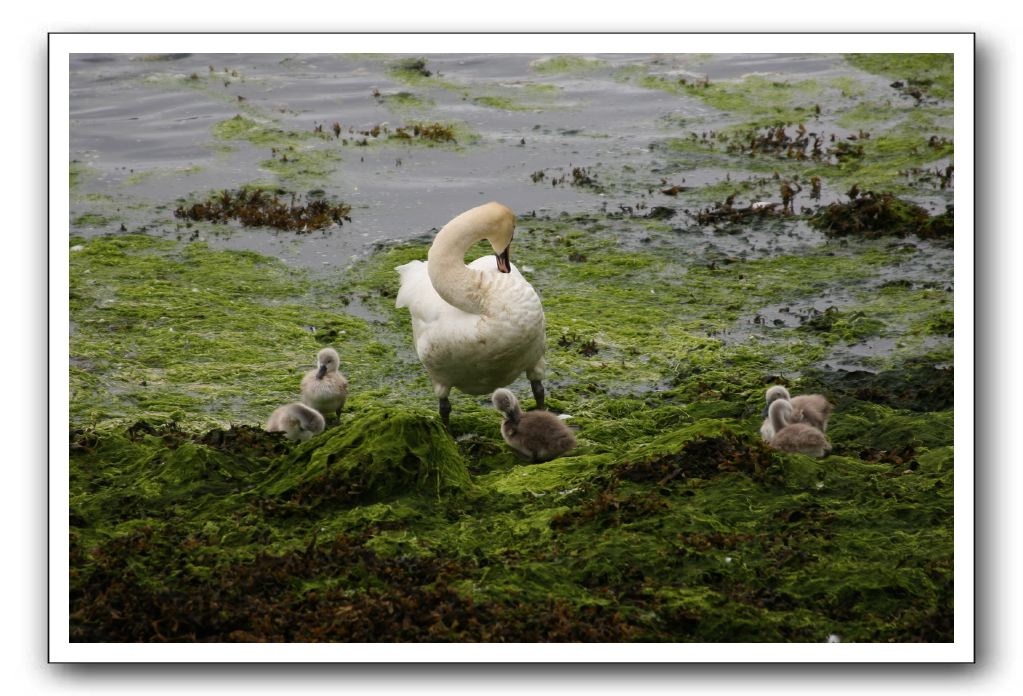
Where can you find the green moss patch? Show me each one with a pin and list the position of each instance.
(375, 455)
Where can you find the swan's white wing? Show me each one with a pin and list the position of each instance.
(414, 283)
(474, 353)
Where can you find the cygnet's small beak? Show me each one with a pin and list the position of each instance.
(322, 371)
(763, 414)
(503, 260)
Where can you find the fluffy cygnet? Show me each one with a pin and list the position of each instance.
(297, 421)
(812, 409)
(324, 388)
(536, 435)
(795, 437)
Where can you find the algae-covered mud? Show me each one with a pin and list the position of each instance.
(699, 227)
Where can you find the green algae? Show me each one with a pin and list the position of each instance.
(415, 73)
(911, 143)
(501, 102)
(305, 158)
(894, 139)
(259, 132)
(405, 102)
(869, 113)
(91, 220)
(931, 72)
(541, 89)
(141, 176)
(672, 517)
(849, 87)
(297, 157)
(566, 64)
(761, 100)
(372, 456)
(883, 159)
(77, 172)
(302, 167)
(139, 303)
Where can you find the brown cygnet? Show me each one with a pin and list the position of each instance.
(812, 409)
(537, 435)
(795, 437)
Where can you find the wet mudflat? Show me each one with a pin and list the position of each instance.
(698, 227)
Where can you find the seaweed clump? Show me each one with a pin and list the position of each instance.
(917, 385)
(258, 209)
(378, 455)
(873, 215)
(434, 132)
(413, 66)
(727, 212)
(409, 599)
(801, 145)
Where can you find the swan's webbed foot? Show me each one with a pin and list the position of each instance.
(538, 394)
(444, 406)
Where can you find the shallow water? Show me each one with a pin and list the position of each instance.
(145, 131)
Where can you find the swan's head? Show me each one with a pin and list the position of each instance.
(328, 361)
(774, 394)
(505, 401)
(499, 222)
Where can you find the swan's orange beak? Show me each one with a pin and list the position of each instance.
(503, 260)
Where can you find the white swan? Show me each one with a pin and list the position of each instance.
(795, 437)
(537, 435)
(324, 388)
(296, 421)
(812, 409)
(475, 327)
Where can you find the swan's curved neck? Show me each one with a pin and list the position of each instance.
(455, 282)
(514, 412)
(779, 412)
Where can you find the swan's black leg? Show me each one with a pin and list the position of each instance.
(445, 410)
(537, 386)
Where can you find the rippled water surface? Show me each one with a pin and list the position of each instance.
(144, 134)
